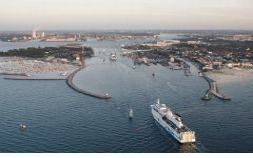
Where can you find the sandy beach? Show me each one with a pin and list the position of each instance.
(231, 75)
(29, 66)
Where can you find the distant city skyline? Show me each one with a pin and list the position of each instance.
(126, 14)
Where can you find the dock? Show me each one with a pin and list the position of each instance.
(74, 87)
(213, 90)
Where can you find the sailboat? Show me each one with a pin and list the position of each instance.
(153, 74)
(134, 66)
(22, 127)
(131, 114)
(64, 74)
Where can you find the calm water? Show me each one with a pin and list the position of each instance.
(62, 120)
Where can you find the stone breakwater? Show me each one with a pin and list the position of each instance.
(73, 86)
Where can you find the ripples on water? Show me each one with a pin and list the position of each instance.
(62, 120)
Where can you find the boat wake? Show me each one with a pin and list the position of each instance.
(189, 110)
(196, 147)
(174, 88)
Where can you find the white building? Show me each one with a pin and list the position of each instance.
(64, 60)
(208, 67)
(43, 34)
(193, 42)
(246, 65)
(163, 43)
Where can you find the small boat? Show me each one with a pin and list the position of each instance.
(137, 62)
(131, 114)
(64, 74)
(153, 74)
(113, 56)
(200, 74)
(206, 97)
(107, 96)
(22, 127)
(134, 67)
(124, 53)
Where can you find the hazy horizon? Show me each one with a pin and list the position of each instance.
(126, 15)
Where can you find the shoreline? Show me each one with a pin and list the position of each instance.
(227, 76)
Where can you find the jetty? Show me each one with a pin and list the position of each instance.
(71, 85)
(13, 73)
(28, 78)
(213, 89)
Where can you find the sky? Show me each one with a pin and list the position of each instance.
(126, 14)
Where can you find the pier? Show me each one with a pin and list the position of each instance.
(28, 78)
(13, 73)
(213, 90)
(71, 85)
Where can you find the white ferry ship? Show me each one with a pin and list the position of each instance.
(64, 74)
(172, 123)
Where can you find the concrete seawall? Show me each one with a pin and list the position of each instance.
(213, 89)
(19, 78)
(14, 74)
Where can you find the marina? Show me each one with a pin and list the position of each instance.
(63, 76)
(18, 66)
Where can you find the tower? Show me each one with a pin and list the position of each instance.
(34, 34)
(43, 34)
